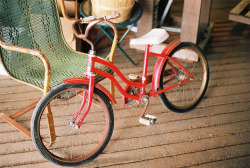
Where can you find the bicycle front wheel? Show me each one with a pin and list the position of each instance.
(53, 131)
(186, 96)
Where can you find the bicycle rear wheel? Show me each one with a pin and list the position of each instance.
(188, 95)
(59, 141)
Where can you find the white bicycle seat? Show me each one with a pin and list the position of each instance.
(155, 36)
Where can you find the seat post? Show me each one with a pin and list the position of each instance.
(145, 67)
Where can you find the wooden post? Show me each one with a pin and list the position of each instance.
(196, 15)
(145, 24)
(205, 14)
(190, 20)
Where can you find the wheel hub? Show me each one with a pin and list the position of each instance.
(181, 76)
(73, 125)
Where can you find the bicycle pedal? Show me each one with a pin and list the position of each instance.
(148, 120)
(150, 117)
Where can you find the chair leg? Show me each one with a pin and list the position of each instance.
(10, 119)
(24, 110)
(15, 124)
(125, 34)
(126, 55)
(51, 125)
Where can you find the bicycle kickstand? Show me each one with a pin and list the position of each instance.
(147, 119)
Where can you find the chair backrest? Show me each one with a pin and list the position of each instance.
(30, 24)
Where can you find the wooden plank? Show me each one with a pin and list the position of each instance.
(240, 7)
(248, 14)
(239, 18)
(175, 159)
(241, 161)
(190, 20)
(236, 11)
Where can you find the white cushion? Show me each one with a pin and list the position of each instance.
(156, 48)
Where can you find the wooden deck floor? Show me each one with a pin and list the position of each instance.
(215, 134)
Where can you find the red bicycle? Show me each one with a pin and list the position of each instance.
(73, 123)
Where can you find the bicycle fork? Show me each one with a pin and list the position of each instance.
(91, 77)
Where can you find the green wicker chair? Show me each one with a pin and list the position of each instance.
(33, 50)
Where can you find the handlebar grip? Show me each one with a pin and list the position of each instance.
(113, 16)
(92, 18)
(88, 19)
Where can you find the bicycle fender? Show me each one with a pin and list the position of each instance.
(160, 63)
(98, 86)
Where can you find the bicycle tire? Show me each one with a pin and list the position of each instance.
(172, 99)
(72, 147)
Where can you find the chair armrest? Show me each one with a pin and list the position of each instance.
(35, 53)
(65, 14)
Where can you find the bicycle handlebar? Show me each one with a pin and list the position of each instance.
(93, 21)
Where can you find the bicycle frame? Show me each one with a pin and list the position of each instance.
(140, 82)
